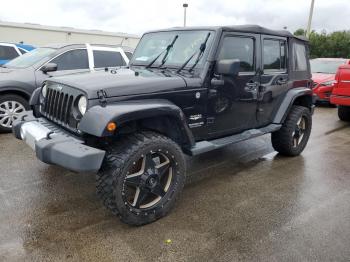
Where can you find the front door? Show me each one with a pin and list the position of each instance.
(69, 62)
(233, 103)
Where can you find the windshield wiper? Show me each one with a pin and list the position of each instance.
(200, 54)
(167, 50)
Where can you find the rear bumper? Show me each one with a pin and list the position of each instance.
(54, 146)
(340, 100)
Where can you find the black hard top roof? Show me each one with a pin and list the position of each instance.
(240, 28)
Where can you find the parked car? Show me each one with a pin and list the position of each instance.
(323, 75)
(186, 91)
(10, 51)
(341, 92)
(21, 76)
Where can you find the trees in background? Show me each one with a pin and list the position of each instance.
(335, 44)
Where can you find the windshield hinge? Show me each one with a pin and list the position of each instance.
(102, 96)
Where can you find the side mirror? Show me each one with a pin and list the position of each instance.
(229, 67)
(49, 67)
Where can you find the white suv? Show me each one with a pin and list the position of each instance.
(10, 51)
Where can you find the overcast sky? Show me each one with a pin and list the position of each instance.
(131, 16)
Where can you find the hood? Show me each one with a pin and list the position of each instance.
(15, 75)
(123, 82)
(320, 78)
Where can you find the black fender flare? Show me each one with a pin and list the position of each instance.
(15, 86)
(35, 97)
(95, 120)
(289, 100)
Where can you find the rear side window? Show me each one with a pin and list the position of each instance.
(71, 60)
(299, 60)
(274, 55)
(242, 48)
(129, 55)
(7, 53)
(108, 59)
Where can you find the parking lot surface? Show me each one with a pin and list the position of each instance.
(243, 202)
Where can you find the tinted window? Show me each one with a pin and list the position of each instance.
(299, 61)
(129, 55)
(75, 59)
(7, 53)
(274, 55)
(241, 48)
(108, 59)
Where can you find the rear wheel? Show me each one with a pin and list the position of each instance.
(344, 113)
(294, 134)
(141, 177)
(11, 106)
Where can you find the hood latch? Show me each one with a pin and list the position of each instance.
(102, 96)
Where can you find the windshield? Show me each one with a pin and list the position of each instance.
(186, 44)
(30, 58)
(325, 66)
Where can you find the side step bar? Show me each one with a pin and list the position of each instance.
(206, 146)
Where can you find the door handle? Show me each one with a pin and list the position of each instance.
(281, 81)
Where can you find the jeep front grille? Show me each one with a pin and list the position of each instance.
(58, 105)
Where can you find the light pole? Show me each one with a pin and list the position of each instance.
(185, 7)
(308, 30)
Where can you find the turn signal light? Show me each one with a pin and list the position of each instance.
(111, 126)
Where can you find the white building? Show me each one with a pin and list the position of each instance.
(39, 35)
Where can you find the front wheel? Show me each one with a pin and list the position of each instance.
(141, 177)
(11, 107)
(294, 134)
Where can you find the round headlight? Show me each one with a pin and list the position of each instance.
(82, 104)
(44, 90)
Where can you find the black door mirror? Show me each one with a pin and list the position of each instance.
(49, 67)
(229, 67)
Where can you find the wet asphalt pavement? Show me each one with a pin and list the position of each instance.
(243, 202)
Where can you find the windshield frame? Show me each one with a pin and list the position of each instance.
(207, 52)
(333, 62)
(36, 64)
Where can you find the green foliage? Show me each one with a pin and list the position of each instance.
(299, 32)
(335, 44)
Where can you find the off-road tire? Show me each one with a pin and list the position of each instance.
(344, 113)
(283, 139)
(120, 156)
(16, 98)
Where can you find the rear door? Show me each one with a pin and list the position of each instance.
(274, 79)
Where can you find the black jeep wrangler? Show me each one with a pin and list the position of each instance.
(186, 91)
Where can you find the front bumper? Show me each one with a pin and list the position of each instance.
(323, 93)
(52, 145)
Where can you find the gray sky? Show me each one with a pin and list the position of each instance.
(132, 16)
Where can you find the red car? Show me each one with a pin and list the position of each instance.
(341, 92)
(323, 74)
